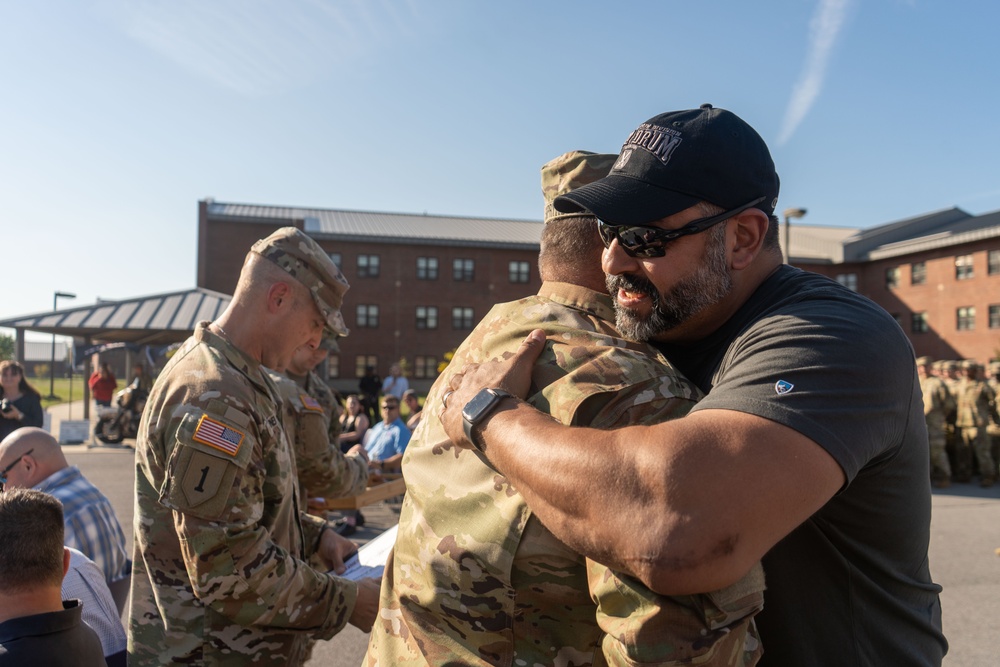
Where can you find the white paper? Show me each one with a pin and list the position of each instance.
(369, 561)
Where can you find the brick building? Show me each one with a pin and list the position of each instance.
(938, 274)
(419, 283)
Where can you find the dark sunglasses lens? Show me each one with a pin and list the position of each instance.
(641, 241)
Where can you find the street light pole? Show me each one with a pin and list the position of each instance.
(52, 360)
(789, 214)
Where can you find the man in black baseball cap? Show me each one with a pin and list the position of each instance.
(676, 160)
(809, 449)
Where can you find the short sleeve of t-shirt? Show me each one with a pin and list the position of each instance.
(827, 364)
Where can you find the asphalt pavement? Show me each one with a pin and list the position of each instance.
(964, 559)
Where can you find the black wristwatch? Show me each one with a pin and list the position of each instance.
(479, 408)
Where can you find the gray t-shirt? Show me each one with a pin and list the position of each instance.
(850, 586)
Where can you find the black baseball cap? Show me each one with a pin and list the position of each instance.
(675, 160)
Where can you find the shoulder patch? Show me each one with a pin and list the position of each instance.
(310, 403)
(216, 434)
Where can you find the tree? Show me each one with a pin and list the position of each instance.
(6, 347)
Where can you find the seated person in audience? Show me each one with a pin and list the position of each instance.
(84, 581)
(353, 424)
(38, 627)
(385, 443)
(32, 458)
(413, 405)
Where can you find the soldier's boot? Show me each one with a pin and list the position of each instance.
(987, 482)
(941, 483)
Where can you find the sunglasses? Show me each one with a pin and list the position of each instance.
(3, 473)
(648, 241)
(390, 407)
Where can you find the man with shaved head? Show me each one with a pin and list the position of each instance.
(34, 460)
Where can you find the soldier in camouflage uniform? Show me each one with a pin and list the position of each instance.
(938, 403)
(974, 399)
(323, 470)
(993, 380)
(475, 578)
(961, 468)
(220, 573)
(302, 370)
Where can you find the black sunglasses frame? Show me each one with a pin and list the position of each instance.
(654, 240)
(3, 473)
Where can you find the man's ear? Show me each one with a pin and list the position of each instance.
(749, 231)
(66, 559)
(278, 295)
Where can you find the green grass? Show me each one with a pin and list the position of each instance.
(62, 389)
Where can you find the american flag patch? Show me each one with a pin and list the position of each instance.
(310, 402)
(218, 435)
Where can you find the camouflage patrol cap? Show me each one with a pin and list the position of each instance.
(969, 363)
(994, 366)
(300, 256)
(924, 361)
(568, 172)
(329, 340)
(949, 365)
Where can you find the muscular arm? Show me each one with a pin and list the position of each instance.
(697, 501)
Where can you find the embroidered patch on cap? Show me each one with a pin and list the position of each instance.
(218, 435)
(783, 387)
(310, 403)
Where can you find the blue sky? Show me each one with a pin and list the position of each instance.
(119, 115)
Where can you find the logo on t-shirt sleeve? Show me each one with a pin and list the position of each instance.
(783, 387)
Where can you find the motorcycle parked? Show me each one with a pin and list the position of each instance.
(114, 424)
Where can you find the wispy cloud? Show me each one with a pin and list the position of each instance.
(824, 29)
(261, 47)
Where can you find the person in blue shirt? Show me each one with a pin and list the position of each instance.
(386, 441)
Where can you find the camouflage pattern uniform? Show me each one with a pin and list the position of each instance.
(938, 403)
(993, 380)
(476, 579)
(322, 469)
(974, 399)
(219, 574)
(961, 466)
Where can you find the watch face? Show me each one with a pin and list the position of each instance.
(479, 404)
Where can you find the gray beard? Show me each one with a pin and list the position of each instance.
(709, 285)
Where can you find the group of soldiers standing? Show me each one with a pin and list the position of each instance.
(963, 423)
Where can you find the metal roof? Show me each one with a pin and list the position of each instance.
(159, 319)
(395, 227)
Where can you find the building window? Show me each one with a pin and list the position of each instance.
(963, 267)
(362, 362)
(919, 323)
(461, 318)
(965, 319)
(427, 317)
(848, 280)
(518, 272)
(993, 262)
(994, 317)
(367, 316)
(463, 270)
(892, 277)
(425, 367)
(427, 268)
(368, 266)
(337, 259)
(918, 273)
(333, 366)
